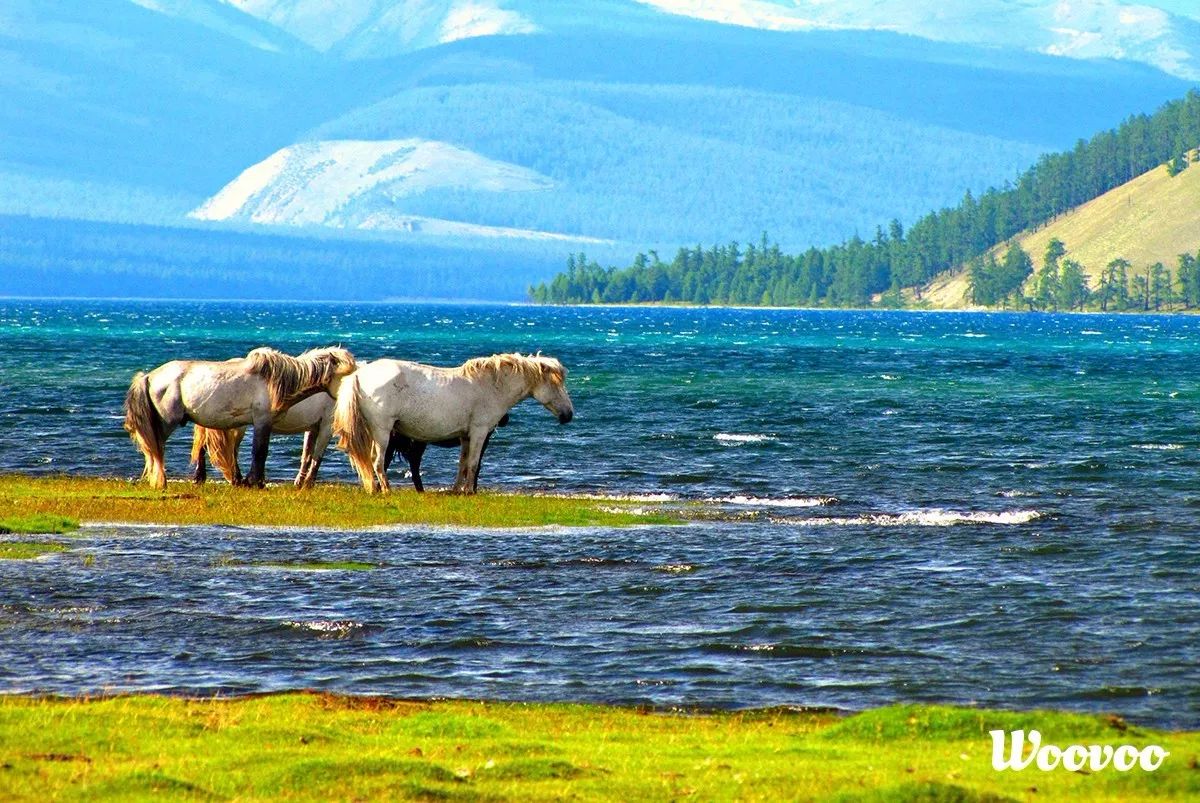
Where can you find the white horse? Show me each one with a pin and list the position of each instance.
(254, 389)
(312, 416)
(429, 404)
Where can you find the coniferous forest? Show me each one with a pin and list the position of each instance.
(851, 273)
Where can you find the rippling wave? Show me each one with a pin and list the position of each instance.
(976, 508)
(923, 518)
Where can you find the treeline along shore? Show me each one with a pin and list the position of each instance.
(890, 268)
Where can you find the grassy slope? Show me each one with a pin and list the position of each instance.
(1153, 218)
(319, 747)
(327, 505)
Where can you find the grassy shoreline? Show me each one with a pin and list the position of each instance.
(316, 746)
(92, 500)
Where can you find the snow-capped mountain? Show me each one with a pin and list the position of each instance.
(356, 183)
(1086, 29)
(374, 28)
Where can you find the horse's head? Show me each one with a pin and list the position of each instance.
(341, 360)
(333, 364)
(550, 388)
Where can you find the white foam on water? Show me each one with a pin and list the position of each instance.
(757, 501)
(1090, 332)
(734, 437)
(932, 517)
(676, 568)
(1158, 447)
(656, 497)
(339, 626)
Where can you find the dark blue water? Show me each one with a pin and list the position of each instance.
(1000, 509)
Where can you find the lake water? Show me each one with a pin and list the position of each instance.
(993, 509)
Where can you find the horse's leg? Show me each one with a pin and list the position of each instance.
(258, 454)
(413, 455)
(468, 462)
(200, 472)
(381, 479)
(323, 432)
(172, 415)
(381, 436)
(396, 443)
(305, 457)
(238, 437)
(482, 452)
(462, 465)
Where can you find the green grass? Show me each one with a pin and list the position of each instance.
(38, 523)
(33, 523)
(72, 499)
(320, 747)
(26, 550)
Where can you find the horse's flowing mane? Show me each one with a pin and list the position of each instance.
(288, 377)
(533, 368)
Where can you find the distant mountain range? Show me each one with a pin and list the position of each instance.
(606, 124)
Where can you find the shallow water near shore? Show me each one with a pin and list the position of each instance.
(1000, 509)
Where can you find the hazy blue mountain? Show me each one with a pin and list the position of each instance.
(679, 139)
(624, 124)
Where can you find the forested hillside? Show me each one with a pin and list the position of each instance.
(851, 273)
(1134, 247)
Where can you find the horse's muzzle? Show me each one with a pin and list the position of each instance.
(565, 418)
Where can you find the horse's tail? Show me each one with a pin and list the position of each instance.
(145, 428)
(353, 434)
(221, 445)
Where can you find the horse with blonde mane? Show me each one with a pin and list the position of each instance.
(251, 390)
(312, 416)
(428, 404)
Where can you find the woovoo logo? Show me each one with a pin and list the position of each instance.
(1074, 757)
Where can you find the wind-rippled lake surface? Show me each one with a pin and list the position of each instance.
(970, 508)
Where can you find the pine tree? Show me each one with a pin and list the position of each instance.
(1072, 285)
(1046, 293)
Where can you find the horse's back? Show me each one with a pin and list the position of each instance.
(221, 395)
(425, 402)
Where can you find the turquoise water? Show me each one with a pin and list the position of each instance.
(998, 509)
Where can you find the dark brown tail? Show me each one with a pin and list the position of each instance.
(145, 428)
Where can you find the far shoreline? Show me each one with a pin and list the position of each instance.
(508, 304)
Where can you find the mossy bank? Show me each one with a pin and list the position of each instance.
(78, 499)
(323, 747)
